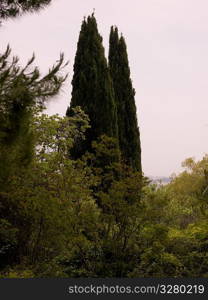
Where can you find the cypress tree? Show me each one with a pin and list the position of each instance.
(128, 131)
(92, 86)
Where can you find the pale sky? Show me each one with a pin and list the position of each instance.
(167, 43)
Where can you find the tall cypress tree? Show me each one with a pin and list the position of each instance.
(129, 136)
(92, 86)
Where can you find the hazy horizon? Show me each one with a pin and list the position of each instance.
(167, 48)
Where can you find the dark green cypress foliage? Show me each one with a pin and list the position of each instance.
(129, 136)
(92, 86)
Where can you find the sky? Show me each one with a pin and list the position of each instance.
(167, 44)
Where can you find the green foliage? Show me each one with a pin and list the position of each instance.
(22, 92)
(173, 238)
(17, 273)
(47, 198)
(94, 216)
(117, 193)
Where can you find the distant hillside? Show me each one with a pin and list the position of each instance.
(159, 179)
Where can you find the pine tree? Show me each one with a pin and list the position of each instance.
(128, 131)
(13, 8)
(92, 86)
(23, 92)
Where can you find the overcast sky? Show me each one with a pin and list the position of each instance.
(167, 44)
